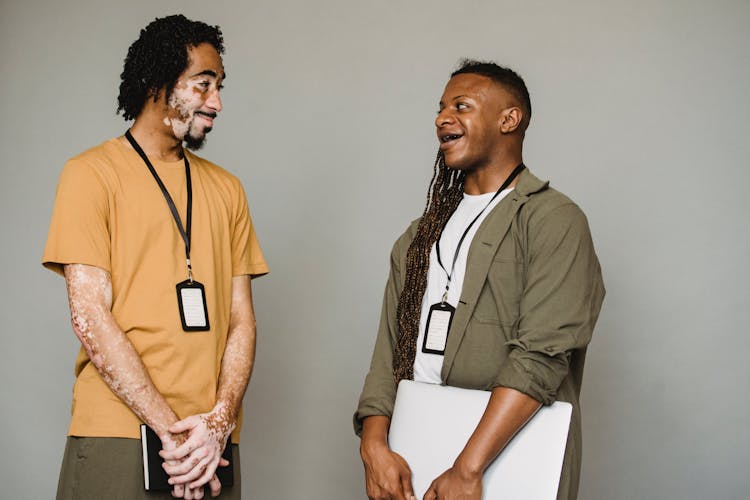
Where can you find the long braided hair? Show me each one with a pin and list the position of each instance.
(443, 196)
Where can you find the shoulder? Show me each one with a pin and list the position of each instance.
(100, 154)
(211, 168)
(214, 174)
(93, 165)
(401, 245)
(545, 204)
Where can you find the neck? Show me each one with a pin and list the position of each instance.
(155, 138)
(489, 178)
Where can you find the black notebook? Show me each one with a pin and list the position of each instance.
(154, 476)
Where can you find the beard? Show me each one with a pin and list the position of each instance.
(193, 140)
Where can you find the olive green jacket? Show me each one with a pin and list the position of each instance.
(531, 295)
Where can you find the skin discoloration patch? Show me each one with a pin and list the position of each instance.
(90, 298)
(113, 355)
(221, 421)
(185, 100)
(239, 356)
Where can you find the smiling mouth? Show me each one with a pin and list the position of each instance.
(448, 140)
(208, 116)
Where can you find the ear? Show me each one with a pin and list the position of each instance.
(510, 119)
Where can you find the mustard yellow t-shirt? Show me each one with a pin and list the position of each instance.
(110, 213)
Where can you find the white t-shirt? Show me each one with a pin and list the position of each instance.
(427, 366)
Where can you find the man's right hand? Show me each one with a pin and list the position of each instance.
(387, 475)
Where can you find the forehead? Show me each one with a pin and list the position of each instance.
(474, 86)
(204, 59)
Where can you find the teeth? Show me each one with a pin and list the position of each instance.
(450, 137)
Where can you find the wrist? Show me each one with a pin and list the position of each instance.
(467, 468)
(171, 441)
(161, 428)
(371, 445)
(223, 417)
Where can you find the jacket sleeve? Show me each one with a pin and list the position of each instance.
(559, 305)
(379, 391)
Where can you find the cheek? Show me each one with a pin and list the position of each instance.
(185, 101)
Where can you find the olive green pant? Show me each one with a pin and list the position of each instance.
(112, 469)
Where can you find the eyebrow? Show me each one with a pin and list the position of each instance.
(441, 103)
(209, 72)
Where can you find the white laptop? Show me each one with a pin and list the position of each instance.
(432, 423)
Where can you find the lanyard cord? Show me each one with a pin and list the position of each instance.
(510, 178)
(184, 231)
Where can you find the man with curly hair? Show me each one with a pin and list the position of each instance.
(157, 249)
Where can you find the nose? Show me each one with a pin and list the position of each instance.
(214, 100)
(443, 118)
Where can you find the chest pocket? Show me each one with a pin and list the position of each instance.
(499, 301)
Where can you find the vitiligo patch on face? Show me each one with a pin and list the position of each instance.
(185, 101)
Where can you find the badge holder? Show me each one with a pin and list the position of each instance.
(193, 311)
(438, 324)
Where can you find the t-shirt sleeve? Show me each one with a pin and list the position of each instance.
(79, 229)
(247, 257)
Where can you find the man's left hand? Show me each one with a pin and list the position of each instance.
(454, 485)
(201, 452)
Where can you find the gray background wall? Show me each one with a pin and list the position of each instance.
(640, 114)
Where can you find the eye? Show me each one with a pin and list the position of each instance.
(462, 106)
(220, 87)
(204, 85)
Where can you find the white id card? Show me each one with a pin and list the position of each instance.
(193, 311)
(438, 323)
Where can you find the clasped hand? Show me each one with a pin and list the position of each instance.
(193, 462)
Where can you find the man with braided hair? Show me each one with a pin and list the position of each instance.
(513, 258)
(157, 249)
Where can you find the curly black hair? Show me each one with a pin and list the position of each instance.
(505, 77)
(158, 57)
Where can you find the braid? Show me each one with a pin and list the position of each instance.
(443, 196)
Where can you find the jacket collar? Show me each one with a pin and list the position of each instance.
(482, 251)
(529, 183)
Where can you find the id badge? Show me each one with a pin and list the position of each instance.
(438, 323)
(193, 310)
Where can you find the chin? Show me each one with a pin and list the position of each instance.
(457, 164)
(194, 143)
(195, 140)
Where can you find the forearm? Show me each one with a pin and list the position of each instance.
(108, 348)
(374, 432)
(507, 411)
(239, 354)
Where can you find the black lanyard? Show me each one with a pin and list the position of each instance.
(184, 231)
(510, 178)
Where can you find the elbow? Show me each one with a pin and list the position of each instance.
(535, 374)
